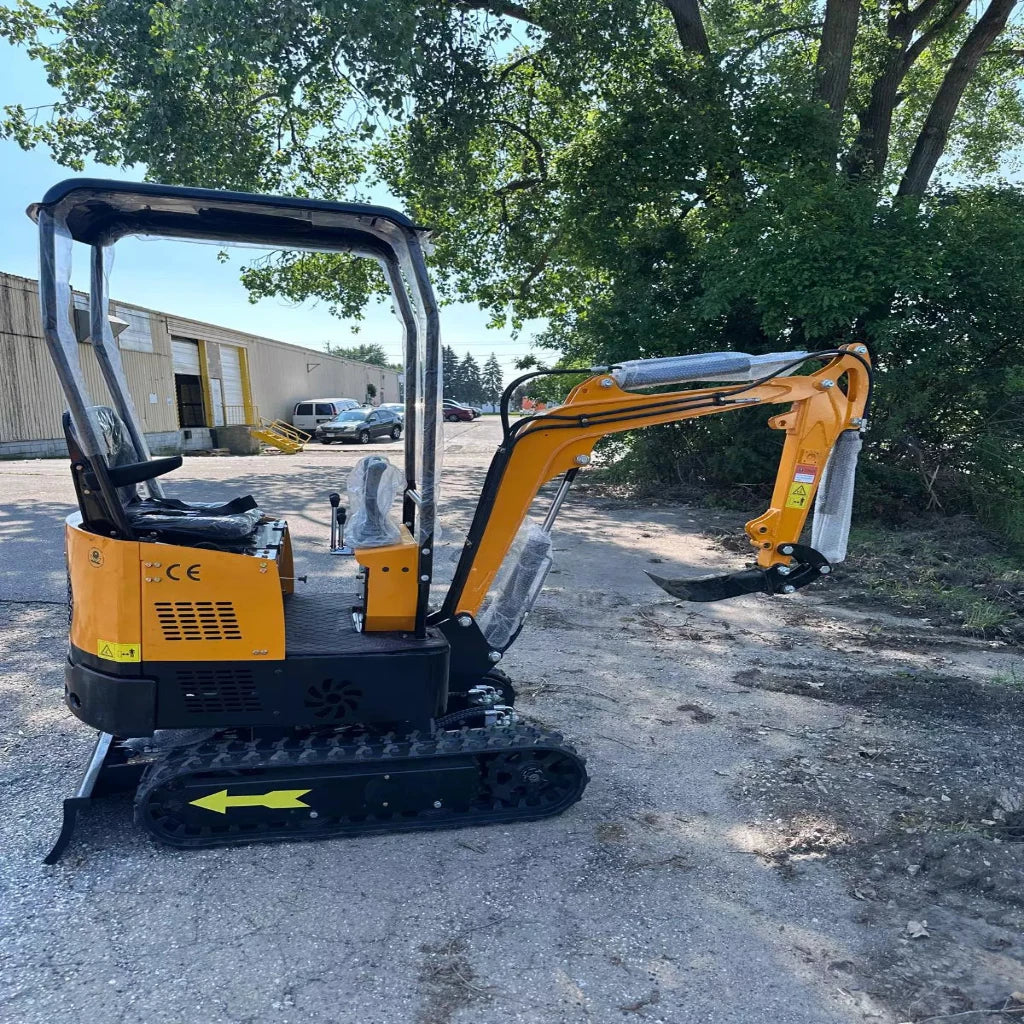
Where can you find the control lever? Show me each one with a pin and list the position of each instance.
(338, 517)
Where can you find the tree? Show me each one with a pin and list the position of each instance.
(450, 372)
(651, 176)
(368, 353)
(471, 388)
(493, 380)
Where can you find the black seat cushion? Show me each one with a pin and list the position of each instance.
(193, 523)
(229, 525)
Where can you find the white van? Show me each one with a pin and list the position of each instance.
(311, 412)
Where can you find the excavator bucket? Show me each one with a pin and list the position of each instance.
(806, 566)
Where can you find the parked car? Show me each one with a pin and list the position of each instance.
(360, 425)
(397, 408)
(455, 411)
(312, 411)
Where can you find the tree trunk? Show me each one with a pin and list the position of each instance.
(835, 56)
(932, 140)
(689, 25)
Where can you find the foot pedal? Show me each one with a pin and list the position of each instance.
(807, 566)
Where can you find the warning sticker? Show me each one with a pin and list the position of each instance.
(118, 652)
(805, 473)
(798, 497)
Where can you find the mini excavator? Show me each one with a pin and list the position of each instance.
(239, 710)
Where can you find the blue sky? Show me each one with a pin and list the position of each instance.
(186, 278)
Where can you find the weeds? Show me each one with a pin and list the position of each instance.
(1012, 677)
(949, 571)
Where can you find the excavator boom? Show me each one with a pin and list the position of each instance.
(824, 406)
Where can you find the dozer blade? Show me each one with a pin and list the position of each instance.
(806, 566)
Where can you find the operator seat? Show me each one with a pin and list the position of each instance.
(228, 526)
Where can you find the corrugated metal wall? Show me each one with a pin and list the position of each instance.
(31, 402)
(282, 375)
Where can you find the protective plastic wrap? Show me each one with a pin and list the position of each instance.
(108, 355)
(833, 507)
(117, 445)
(372, 487)
(55, 299)
(196, 522)
(518, 584)
(709, 366)
(416, 309)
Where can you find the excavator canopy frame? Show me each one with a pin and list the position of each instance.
(99, 212)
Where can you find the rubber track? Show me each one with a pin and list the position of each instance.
(259, 758)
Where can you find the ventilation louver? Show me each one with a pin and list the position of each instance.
(211, 691)
(198, 620)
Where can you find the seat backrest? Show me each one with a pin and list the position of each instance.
(98, 514)
(117, 442)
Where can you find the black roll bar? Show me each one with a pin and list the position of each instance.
(99, 212)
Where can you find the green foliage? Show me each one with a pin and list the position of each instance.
(492, 380)
(368, 353)
(463, 380)
(594, 165)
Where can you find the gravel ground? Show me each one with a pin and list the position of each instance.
(673, 892)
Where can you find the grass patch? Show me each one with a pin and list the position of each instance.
(1011, 677)
(949, 570)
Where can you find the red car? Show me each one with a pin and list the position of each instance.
(455, 411)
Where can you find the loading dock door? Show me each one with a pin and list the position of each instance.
(186, 356)
(231, 384)
(188, 382)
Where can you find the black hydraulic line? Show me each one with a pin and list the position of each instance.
(506, 395)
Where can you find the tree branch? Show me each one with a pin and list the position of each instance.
(542, 163)
(835, 58)
(518, 63)
(689, 25)
(912, 19)
(932, 140)
(806, 28)
(518, 185)
(537, 269)
(505, 8)
(870, 151)
(934, 30)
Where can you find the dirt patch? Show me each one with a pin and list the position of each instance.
(918, 798)
(906, 692)
(949, 571)
(449, 983)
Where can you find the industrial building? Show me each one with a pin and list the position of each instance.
(186, 377)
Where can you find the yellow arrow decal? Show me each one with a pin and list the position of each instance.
(276, 799)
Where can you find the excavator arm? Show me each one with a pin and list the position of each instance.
(824, 407)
